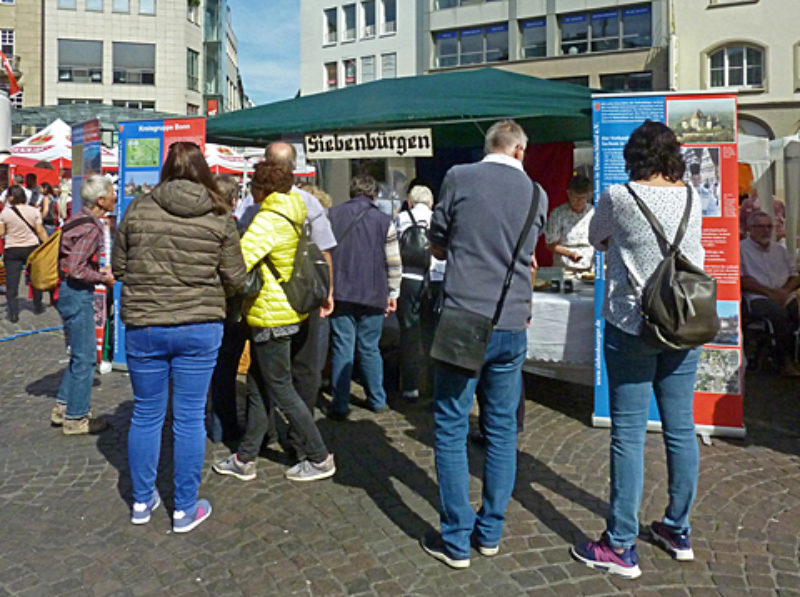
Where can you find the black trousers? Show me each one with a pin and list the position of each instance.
(14, 259)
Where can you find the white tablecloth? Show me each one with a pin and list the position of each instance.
(561, 334)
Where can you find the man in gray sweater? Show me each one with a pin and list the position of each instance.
(476, 226)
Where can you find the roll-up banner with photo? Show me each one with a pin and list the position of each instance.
(143, 146)
(706, 126)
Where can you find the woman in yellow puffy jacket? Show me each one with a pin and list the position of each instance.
(273, 235)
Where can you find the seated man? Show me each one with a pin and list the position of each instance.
(769, 282)
(567, 231)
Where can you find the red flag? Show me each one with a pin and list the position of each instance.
(13, 86)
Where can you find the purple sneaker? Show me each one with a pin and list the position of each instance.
(601, 556)
(183, 522)
(676, 543)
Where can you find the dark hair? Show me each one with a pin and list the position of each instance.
(654, 149)
(185, 161)
(30, 180)
(580, 184)
(271, 176)
(17, 195)
(47, 189)
(363, 185)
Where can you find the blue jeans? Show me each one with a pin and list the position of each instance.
(636, 370)
(76, 307)
(454, 394)
(353, 326)
(186, 355)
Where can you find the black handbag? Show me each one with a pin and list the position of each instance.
(461, 338)
(679, 300)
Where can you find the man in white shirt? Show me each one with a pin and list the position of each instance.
(567, 230)
(769, 284)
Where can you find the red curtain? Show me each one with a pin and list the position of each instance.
(549, 164)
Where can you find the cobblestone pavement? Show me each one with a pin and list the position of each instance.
(64, 518)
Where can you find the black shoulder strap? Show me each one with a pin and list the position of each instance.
(353, 223)
(656, 225)
(522, 236)
(19, 215)
(413, 219)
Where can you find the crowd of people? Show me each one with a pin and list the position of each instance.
(184, 252)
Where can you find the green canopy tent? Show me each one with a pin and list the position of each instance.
(458, 106)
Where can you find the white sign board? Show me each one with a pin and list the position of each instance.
(406, 143)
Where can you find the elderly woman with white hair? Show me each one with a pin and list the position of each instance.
(419, 269)
(79, 271)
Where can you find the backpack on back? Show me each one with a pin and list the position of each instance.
(679, 300)
(307, 288)
(42, 263)
(415, 248)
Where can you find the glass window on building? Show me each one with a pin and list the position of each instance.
(331, 75)
(192, 12)
(534, 38)
(69, 101)
(134, 105)
(496, 43)
(67, 4)
(121, 5)
(605, 30)
(620, 82)
(330, 26)
(388, 66)
(80, 61)
(389, 22)
(192, 70)
(350, 72)
(446, 49)
(636, 27)
(7, 43)
(134, 64)
(367, 69)
(442, 4)
(574, 34)
(737, 66)
(192, 109)
(349, 33)
(471, 46)
(147, 7)
(584, 81)
(368, 18)
(94, 5)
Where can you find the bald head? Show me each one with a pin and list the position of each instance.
(280, 151)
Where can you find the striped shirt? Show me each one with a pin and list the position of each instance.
(79, 251)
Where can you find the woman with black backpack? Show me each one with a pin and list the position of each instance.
(637, 367)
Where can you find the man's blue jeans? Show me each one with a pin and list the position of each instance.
(636, 370)
(454, 393)
(353, 326)
(186, 355)
(76, 307)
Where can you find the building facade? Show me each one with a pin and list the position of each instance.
(177, 56)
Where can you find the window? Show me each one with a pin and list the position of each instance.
(737, 66)
(192, 109)
(147, 7)
(388, 66)
(534, 38)
(67, 4)
(332, 75)
(389, 23)
(349, 22)
(134, 105)
(349, 72)
(16, 99)
(627, 82)
(573, 80)
(80, 61)
(67, 101)
(606, 30)
(94, 5)
(440, 4)
(121, 5)
(6, 1)
(134, 64)
(193, 12)
(330, 26)
(367, 69)
(7, 43)
(474, 45)
(192, 70)
(368, 18)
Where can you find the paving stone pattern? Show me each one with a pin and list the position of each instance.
(64, 503)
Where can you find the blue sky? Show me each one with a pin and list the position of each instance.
(268, 32)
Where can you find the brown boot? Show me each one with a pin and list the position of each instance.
(58, 413)
(84, 425)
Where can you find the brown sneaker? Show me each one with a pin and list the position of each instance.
(58, 413)
(84, 425)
